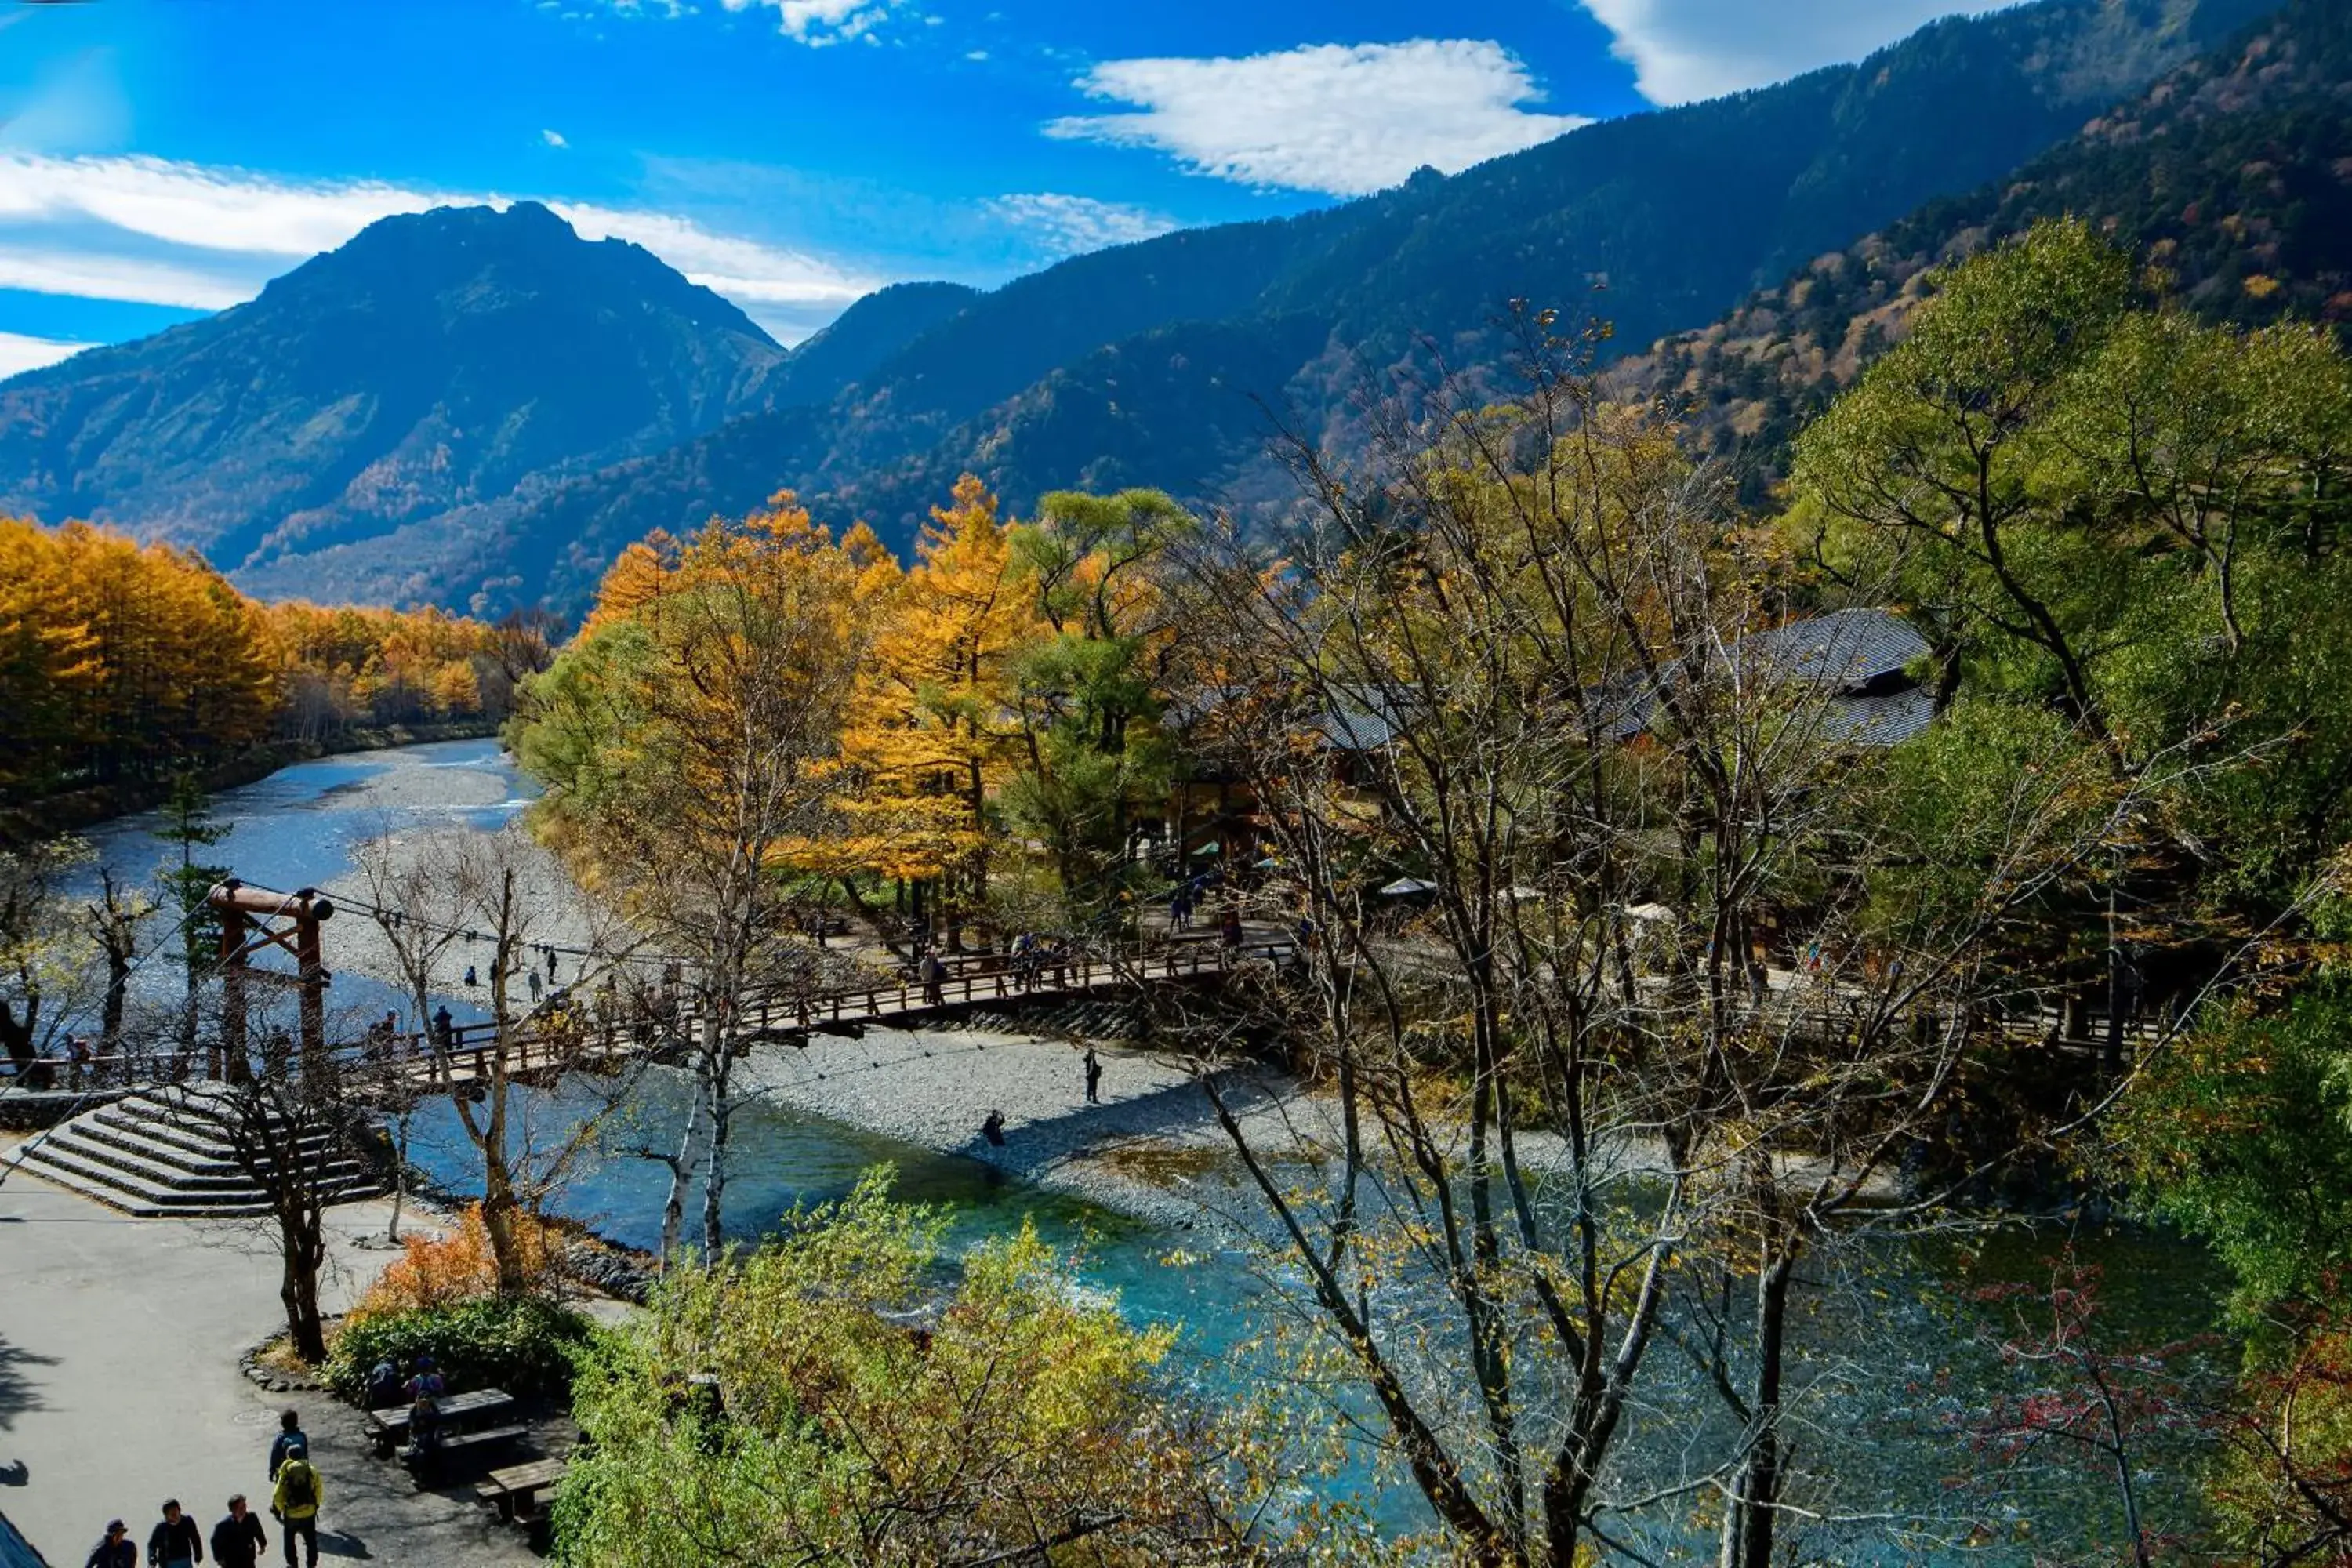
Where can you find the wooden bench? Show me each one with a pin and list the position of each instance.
(514, 1491)
(389, 1427)
(449, 1448)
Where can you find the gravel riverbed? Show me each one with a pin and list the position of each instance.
(1151, 1149)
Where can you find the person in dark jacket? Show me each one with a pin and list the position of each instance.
(175, 1542)
(238, 1539)
(289, 1435)
(116, 1550)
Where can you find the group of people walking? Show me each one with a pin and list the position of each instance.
(239, 1539)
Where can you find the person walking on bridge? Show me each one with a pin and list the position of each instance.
(933, 972)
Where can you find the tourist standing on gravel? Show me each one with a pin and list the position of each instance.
(175, 1542)
(115, 1550)
(238, 1539)
(1094, 1078)
(289, 1435)
(296, 1504)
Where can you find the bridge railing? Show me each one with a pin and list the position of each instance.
(557, 1035)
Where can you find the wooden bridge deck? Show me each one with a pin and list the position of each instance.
(559, 1041)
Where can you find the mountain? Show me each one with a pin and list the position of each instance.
(435, 360)
(1167, 350)
(1163, 362)
(864, 337)
(2232, 173)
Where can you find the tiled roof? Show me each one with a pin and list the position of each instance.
(1879, 720)
(1847, 648)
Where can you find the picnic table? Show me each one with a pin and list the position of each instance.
(514, 1491)
(388, 1427)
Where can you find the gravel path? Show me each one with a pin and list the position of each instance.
(120, 1386)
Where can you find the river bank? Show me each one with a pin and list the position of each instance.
(1151, 1149)
(75, 811)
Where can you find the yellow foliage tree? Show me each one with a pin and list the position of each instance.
(931, 723)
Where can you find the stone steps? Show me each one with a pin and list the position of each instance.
(158, 1158)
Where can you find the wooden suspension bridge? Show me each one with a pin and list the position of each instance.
(565, 1035)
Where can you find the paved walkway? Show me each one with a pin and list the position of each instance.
(120, 1386)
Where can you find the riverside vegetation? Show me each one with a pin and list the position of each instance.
(122, 663)
(1696, 996)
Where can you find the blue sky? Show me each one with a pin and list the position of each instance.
(160, 159)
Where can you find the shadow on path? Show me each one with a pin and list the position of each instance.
(17, 1393)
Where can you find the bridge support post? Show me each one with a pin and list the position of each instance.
(250, 920)
(229, 1061)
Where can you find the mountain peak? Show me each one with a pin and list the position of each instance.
(436, 359)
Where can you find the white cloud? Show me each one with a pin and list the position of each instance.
(19, 354)
(1683, 51)
(1326, 117)
(746, 272)
(817, 23)
(181, 234)
(553, 138)
(93, 275)
(1062, 225)
(189, 204)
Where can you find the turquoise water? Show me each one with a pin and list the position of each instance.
(298, 828)
(1903, 1351)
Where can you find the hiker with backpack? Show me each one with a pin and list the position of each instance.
(237, 1540)
(289, 1435)
(295, 1503)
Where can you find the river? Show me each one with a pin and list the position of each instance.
(1884, 1397)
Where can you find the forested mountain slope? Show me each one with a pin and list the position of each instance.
(2232, 175)
(434, 360)
(481, 484)
(1167, 361)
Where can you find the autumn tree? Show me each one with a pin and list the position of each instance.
(1523, 662)
(127, 663)
(932, 734)
(786, 1409)
(45, 971)
(692, 748)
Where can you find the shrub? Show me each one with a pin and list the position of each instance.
(524, 1344)
(442, 1273)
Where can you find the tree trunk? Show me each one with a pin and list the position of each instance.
(303, 1250)
(399, 1168)
(1753, 1508)
(17, 1037)
(499, 1210)
(714, 1182)
(681, 1177)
